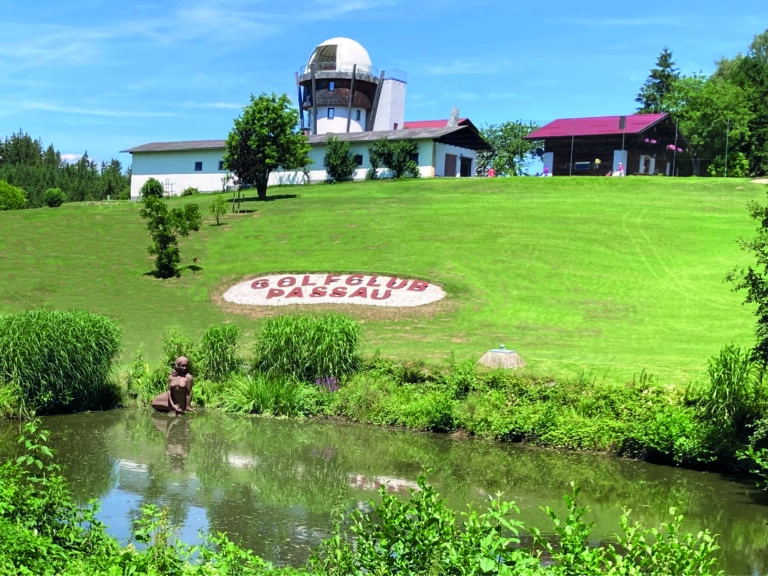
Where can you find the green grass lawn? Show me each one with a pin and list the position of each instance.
(606, 277)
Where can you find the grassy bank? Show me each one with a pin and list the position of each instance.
(608, 278)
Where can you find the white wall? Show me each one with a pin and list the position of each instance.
(337, 124)
(176, 170)
(442, 149)
(391, 108)
(164, 167)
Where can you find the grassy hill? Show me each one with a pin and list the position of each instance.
(607, 277)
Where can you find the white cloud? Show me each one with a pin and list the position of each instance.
(88, 111)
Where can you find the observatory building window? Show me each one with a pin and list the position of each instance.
(198, 166)
(332, 86)
(331, 112)
(358, 159)
(357, 115)
(221, 164)
(414, 157)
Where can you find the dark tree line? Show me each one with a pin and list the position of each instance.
(725, 111)
(25, 164)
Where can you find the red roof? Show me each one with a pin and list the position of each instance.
(595, 126)
(431, 124)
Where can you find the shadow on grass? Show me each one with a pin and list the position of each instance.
(269, 198)
(194, 268)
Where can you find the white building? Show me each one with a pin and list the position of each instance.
(340, 93)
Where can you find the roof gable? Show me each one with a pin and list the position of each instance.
(596, 126)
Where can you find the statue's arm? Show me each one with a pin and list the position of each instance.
(190, 381)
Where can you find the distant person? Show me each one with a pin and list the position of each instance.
(491, 172)
(546, 171)
(621, 169)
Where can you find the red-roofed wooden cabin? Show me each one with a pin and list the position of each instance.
(643, 143)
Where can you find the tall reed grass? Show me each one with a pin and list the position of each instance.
(217, 352)
(309, 347)
(58, 361)
(261, 394)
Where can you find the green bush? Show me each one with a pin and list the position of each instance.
(192, 216)
(54, 197)
(152, 189)
(339, 163)
(309, 347)
(395, 155)
(190, 191)
(217, 352)
(218, 208)
(732, 398)
(262, 394)
(11, 197)
(60, 361)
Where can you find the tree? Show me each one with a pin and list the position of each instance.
(396, 155)
(509, 150)
(338, 162)
(165, 226)
(754, 280)
(218, 208)
(265, 138)
(659, 83)
(151, 189)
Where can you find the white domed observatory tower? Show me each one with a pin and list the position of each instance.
(340, 91)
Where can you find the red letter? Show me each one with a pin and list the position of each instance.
(372, 281)
(418, 286)
(286, 281)
(354, 279)
(339, 292)
(295, 293)
(306, 282)
(393, 281)
(331, 278)
(274, 292)
(375, 295)
(319, 291)
(359, 293)
(260, 283)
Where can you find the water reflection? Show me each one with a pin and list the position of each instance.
(272, 484)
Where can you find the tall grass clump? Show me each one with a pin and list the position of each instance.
(58, 361)
(262, 394)
(217, 352)
(309, 347)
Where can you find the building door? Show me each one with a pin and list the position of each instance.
(466, 167)
(450, 165)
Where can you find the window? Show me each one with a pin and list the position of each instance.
(332, 86)
(358, 159)
(582, 165)
(221, 164)
(331, 112)
(357, 115)
(395, 128)
(198, 166)
(414, 157)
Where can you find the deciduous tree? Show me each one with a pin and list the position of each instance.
(339, 163)
(265, 137)
(510, 149)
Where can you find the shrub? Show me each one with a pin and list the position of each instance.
(11, 197)
(190, 191)
(262, 394)
(152, 189)
(339, 163)
(218, 208)
(192, 216)
(309, 347)
(732, 398)
(177, 343)
(217, 351)
(165, 226)
(395, 155)
(59, 360)
(54, 197)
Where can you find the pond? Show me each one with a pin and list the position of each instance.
(272, 484)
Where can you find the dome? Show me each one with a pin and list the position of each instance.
(340, 54)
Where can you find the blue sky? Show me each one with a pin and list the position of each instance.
(96, 76)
